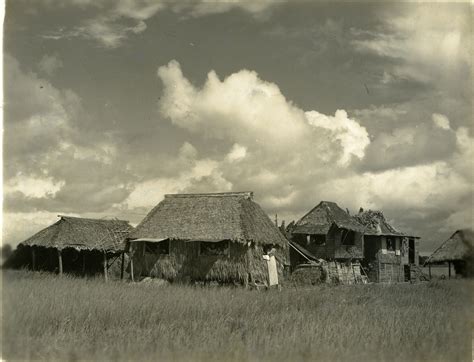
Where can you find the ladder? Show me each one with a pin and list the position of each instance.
(417, 274)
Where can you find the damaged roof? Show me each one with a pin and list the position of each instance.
(82, 234)
(320, 219)
(211, 217)
(376, 224)
(458, 247)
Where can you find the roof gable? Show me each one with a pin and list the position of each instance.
(82, 234)
(217, 216)
(375, 223)
(320, 219)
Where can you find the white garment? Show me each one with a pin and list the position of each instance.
(272, 271)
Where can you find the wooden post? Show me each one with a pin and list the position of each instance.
(83, 263)
(33, 258)
(105, 267)
(60, 262)
(449, 270)
(121, 268)
(131, 268)
(429, 269)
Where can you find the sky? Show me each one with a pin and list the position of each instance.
(110, 105)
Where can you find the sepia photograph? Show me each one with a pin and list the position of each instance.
(237, 180)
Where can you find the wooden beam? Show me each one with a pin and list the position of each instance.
(449, 270)
(429, 269)
(33, 258)
(131, 268)
(105, 267)
(122, 266)
(60, 262)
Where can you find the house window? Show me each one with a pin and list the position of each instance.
(221, 248)
(162, 247)
(347, 237)
(390, 244)
(316, 239)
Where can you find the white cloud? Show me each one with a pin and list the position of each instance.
(237, 153)
(352, 136)
(432, 40)
(19, 226)
(109, 30)
(441, 121)
(148, 193)
(246, 110)
(33, 186)
(49, 64)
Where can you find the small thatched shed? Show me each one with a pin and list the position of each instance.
(206, 237)
(328, 232)
(77, 245)
(459, 250)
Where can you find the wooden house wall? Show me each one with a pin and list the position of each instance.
(325, 251)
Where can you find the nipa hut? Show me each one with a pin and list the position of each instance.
(389, 255)
(458, 250)
(328, 232)
(220, 237)
(77, 245)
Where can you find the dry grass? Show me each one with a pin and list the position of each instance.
(51, 318)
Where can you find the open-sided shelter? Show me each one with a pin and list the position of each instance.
(389, 255)
(458, 250)
(328, 232)
(77, 245)
(206, 237)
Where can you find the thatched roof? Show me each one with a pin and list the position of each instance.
(320, 219)
(82, 234)
(376, 224)
(210, 217)
(458, 247)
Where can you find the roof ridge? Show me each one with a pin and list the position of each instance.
(65, 217)
(248, 194)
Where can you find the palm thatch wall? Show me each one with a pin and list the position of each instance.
(186, 220)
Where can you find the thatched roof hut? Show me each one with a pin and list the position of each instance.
(76, 244)
(230, 216)
(458, 247)
(82, 234)
(320, 219)
(191, 225)
(328, 232)
(459, 250)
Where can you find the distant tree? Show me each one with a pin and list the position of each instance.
(6, 251)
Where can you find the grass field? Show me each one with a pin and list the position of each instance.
(51, 318)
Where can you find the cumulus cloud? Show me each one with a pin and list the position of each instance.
(261, 141)
(254, 114)
(353, 138)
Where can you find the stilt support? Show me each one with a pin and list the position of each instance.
(131, 268)
(122, 266)
(60, 262)
(105, 267)
(33, 258)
